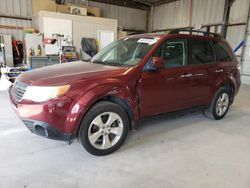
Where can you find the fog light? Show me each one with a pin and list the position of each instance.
(41, 131)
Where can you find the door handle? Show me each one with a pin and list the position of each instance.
(219, 70)
(186, 75)
(200, 74)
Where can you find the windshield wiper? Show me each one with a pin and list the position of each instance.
(86, 60)
(100, 62)
(110, 63)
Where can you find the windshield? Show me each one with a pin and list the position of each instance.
(125, 52)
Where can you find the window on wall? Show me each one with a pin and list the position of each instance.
(223, 52)
(201, 52)
(173, 53)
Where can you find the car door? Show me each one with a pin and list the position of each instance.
(202, 63)
(165, 90)
(224, 57)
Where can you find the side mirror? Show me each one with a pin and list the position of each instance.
(157, 64)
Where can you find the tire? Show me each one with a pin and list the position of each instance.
(219, 105)
(104, 128)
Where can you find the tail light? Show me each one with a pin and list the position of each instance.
(239, 67)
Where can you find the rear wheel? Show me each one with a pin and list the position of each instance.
(104, 128)
(220, 105)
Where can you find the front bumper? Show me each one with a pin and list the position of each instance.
(45, 130)
(54, 119)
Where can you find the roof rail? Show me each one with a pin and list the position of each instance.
(205, 33)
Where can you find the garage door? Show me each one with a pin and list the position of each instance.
(246, 58)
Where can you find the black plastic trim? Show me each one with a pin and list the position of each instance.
(49, 131)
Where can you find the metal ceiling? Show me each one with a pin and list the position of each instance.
(153, 2)
(139, 4)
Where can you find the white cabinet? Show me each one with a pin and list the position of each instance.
(54, 27)
(32, 41)
(7, 53)
(75, 26)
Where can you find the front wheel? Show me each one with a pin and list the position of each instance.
(104, 128)
(220, 105)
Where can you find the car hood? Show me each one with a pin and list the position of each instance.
(65, 73)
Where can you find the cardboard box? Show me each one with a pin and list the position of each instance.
(95, 11)
(47, 5)
(122, 34)
(78, 10)
(91, 10)
(50, 5)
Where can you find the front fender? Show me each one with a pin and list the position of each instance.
(84, 102)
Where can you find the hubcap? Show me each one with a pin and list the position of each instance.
(222, 104)
(105, 130)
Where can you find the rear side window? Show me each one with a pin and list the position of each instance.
(223, 51)
(200, 52)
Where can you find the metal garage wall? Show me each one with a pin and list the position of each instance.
(207, 12)
(171, 15)
(239, 11)
(236, 33)
(17, 8)
(246, 57)
(128, 18)
(177, 14)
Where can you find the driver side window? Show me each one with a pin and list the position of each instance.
(173, 53)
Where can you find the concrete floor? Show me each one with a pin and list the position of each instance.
(190, 151)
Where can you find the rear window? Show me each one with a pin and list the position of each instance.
(223, 51)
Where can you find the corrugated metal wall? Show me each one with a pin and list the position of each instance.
(237, 33)
(207, 12)
(171, 15)
(239, 11)
(177, 14)
(246, 57)
(128, 18)
(17, 8)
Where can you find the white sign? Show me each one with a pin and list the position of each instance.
(147, 41)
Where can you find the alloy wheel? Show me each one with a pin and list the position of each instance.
(222, 104)
(105, 130)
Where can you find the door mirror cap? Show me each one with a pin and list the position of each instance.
(158, 63)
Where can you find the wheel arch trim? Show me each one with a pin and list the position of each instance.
(117, 94)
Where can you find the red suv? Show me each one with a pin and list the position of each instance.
(132, 78)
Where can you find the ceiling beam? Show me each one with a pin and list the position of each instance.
(126, 3)
(11, 27)
(16, 17)
(143, 2)
(163, 2)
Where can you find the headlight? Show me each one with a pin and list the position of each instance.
(41, 94)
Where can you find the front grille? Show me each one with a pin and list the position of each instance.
(18, 91)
